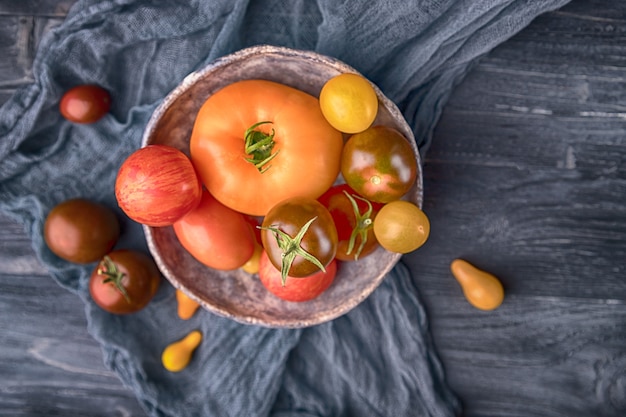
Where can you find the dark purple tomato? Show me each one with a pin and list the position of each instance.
(81, 231)
(299, 236)
(379, 164)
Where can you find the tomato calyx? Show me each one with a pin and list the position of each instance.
(259, 146)
(113, 275)
(291, 248)
(364, 222)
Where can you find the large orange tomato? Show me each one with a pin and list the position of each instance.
(257, 142)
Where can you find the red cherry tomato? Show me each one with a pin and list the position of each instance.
(124, 282)
(357, 227)
(295, 289)
(217, 236)
(85, 103)
(157, 185)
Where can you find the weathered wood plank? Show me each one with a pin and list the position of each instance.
(50, 364)
(50, 8)
(559, 357)
(526, 179)
(20, 37)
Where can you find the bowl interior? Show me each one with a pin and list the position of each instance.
(237, 294)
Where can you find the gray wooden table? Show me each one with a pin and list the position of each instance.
(526, 178)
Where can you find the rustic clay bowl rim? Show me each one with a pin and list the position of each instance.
(161, 242)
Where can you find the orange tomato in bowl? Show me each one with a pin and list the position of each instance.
(216, 235)
(256, 143)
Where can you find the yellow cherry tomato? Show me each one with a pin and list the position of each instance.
(401, 227)
(252, 265)
(349, 103)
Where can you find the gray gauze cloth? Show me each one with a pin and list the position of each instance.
(377, 360)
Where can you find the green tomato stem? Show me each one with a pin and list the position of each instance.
(259, 146)
(363, 224)
(109, 269)
(291, 247)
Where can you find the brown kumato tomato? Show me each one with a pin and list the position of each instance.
(124, 281)
(81, 231)
(379, 164)
(299, 236)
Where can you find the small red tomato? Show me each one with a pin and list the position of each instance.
(81, 231)
(157, 185)
(217, 236)
(379, 164)
(295, 289)
(85, 103)
(124, 281)
(355, 224)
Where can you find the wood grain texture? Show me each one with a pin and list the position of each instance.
(525, 178)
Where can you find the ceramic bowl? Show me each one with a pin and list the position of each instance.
(237, 294)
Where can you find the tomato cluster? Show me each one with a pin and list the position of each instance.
(281, 183)
(83, 231)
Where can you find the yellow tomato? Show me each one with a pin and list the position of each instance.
(252, 265)
(349, 103)
(401, 227)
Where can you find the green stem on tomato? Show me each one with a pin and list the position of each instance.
(362, 226)
(291, 248)
(259, 146)
(108, 268)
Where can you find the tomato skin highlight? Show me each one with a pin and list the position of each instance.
(81, 231)
(85, 104)
(295, 289)
(157, 185)
(308, 149)
(343, 215)
(216, 235)
(379, 164)
(290, 216)
(141, 282)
